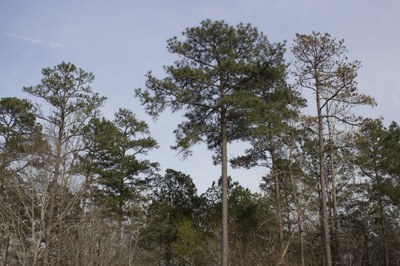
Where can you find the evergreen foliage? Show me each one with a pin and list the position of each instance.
(77, 188)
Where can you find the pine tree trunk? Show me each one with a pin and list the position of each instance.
(323, 185)
(53, 188)
(384, 236)
(335, 225)
(298, 207)
(224, 177)
(382, 221)
(278, 201)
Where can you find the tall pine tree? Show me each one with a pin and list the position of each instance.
(216, 80)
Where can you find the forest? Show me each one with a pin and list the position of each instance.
(77, 188)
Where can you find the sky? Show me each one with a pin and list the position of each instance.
(121, 40)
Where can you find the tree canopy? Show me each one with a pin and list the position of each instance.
(78, 187)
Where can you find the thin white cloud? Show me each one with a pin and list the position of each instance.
(55, 45)
(34, 41)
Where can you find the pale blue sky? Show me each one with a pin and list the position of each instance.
(120, 40)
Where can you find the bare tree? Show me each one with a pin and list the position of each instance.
(66, 89)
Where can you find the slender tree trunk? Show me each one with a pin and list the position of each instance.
(365, 260)
(335, 225)
(298, 207)
(301, 232)
(384, 236)
(287, 207)
(278, 210)
(53, 188)
(323, 186)
(278, 201)
(382, 219)
(224, 177)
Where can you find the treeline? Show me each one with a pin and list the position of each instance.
(77, 188)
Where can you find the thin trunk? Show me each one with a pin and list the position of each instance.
(82, 224)
(298, 207)
(384, 234)
(278, 201)
(300, 222)
(382, 218)
(224, 177)
(323, 186)
(35, 246)
(82, 219)
(120, 206)
(335, 225)
(278, 210)
(53, 188)
(365, 258)
(288, 209)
